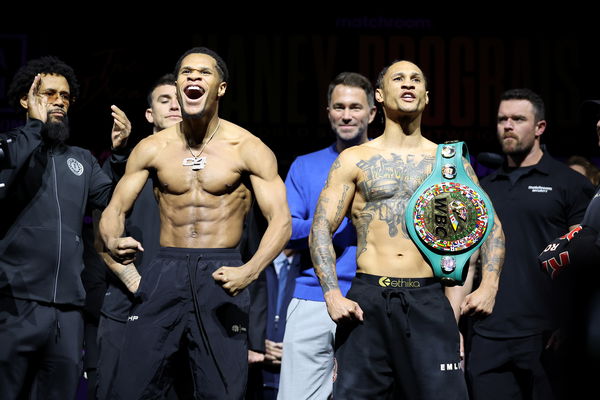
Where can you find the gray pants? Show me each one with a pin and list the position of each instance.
(307, 362)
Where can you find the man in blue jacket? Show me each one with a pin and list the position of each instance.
(47, 190)
(308, 365)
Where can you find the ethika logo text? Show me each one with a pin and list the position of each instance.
(384, 281)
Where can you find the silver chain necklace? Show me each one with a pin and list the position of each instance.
(196, 162)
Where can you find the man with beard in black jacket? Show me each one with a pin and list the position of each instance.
(46, 193)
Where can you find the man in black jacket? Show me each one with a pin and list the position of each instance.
(47, 190)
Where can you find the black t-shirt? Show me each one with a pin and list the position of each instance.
(535, 205)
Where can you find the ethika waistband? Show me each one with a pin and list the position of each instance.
(390, 282)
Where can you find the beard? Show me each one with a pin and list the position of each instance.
(516, 149)
(56, 132)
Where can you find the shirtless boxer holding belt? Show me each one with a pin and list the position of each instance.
(396, 329)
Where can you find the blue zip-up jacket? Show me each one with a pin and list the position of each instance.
(41, 251)
(304, 182)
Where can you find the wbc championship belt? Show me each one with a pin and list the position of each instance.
(449, 216)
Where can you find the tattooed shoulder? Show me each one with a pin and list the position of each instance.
(470, 171)
(387, 183)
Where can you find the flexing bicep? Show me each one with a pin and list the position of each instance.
(132, 182)
(271, 197)
(125, 193)
(269, 191)
(267, 185)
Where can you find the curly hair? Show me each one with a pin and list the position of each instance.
(50, 65)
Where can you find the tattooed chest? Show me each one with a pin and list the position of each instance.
(386, 186)
(392, 179)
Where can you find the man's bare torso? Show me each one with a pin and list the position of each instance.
(204, 208)
(385, 181)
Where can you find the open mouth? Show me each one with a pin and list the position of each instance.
(193, 92)
(408, 96)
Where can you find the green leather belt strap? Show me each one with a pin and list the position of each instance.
(449, 216)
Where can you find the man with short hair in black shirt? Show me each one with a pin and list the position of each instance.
(537, 198)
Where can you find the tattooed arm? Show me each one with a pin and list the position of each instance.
(333, 205)
(481, 301)
(128, 274)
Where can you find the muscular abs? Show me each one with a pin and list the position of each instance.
(204, 208)
(385, 184)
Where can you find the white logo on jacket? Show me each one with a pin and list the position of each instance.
(75, 166)
(540, 189)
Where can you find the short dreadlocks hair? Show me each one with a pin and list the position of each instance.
(49, 65)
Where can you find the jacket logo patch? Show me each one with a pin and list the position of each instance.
(75, 166)
(539, 189)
